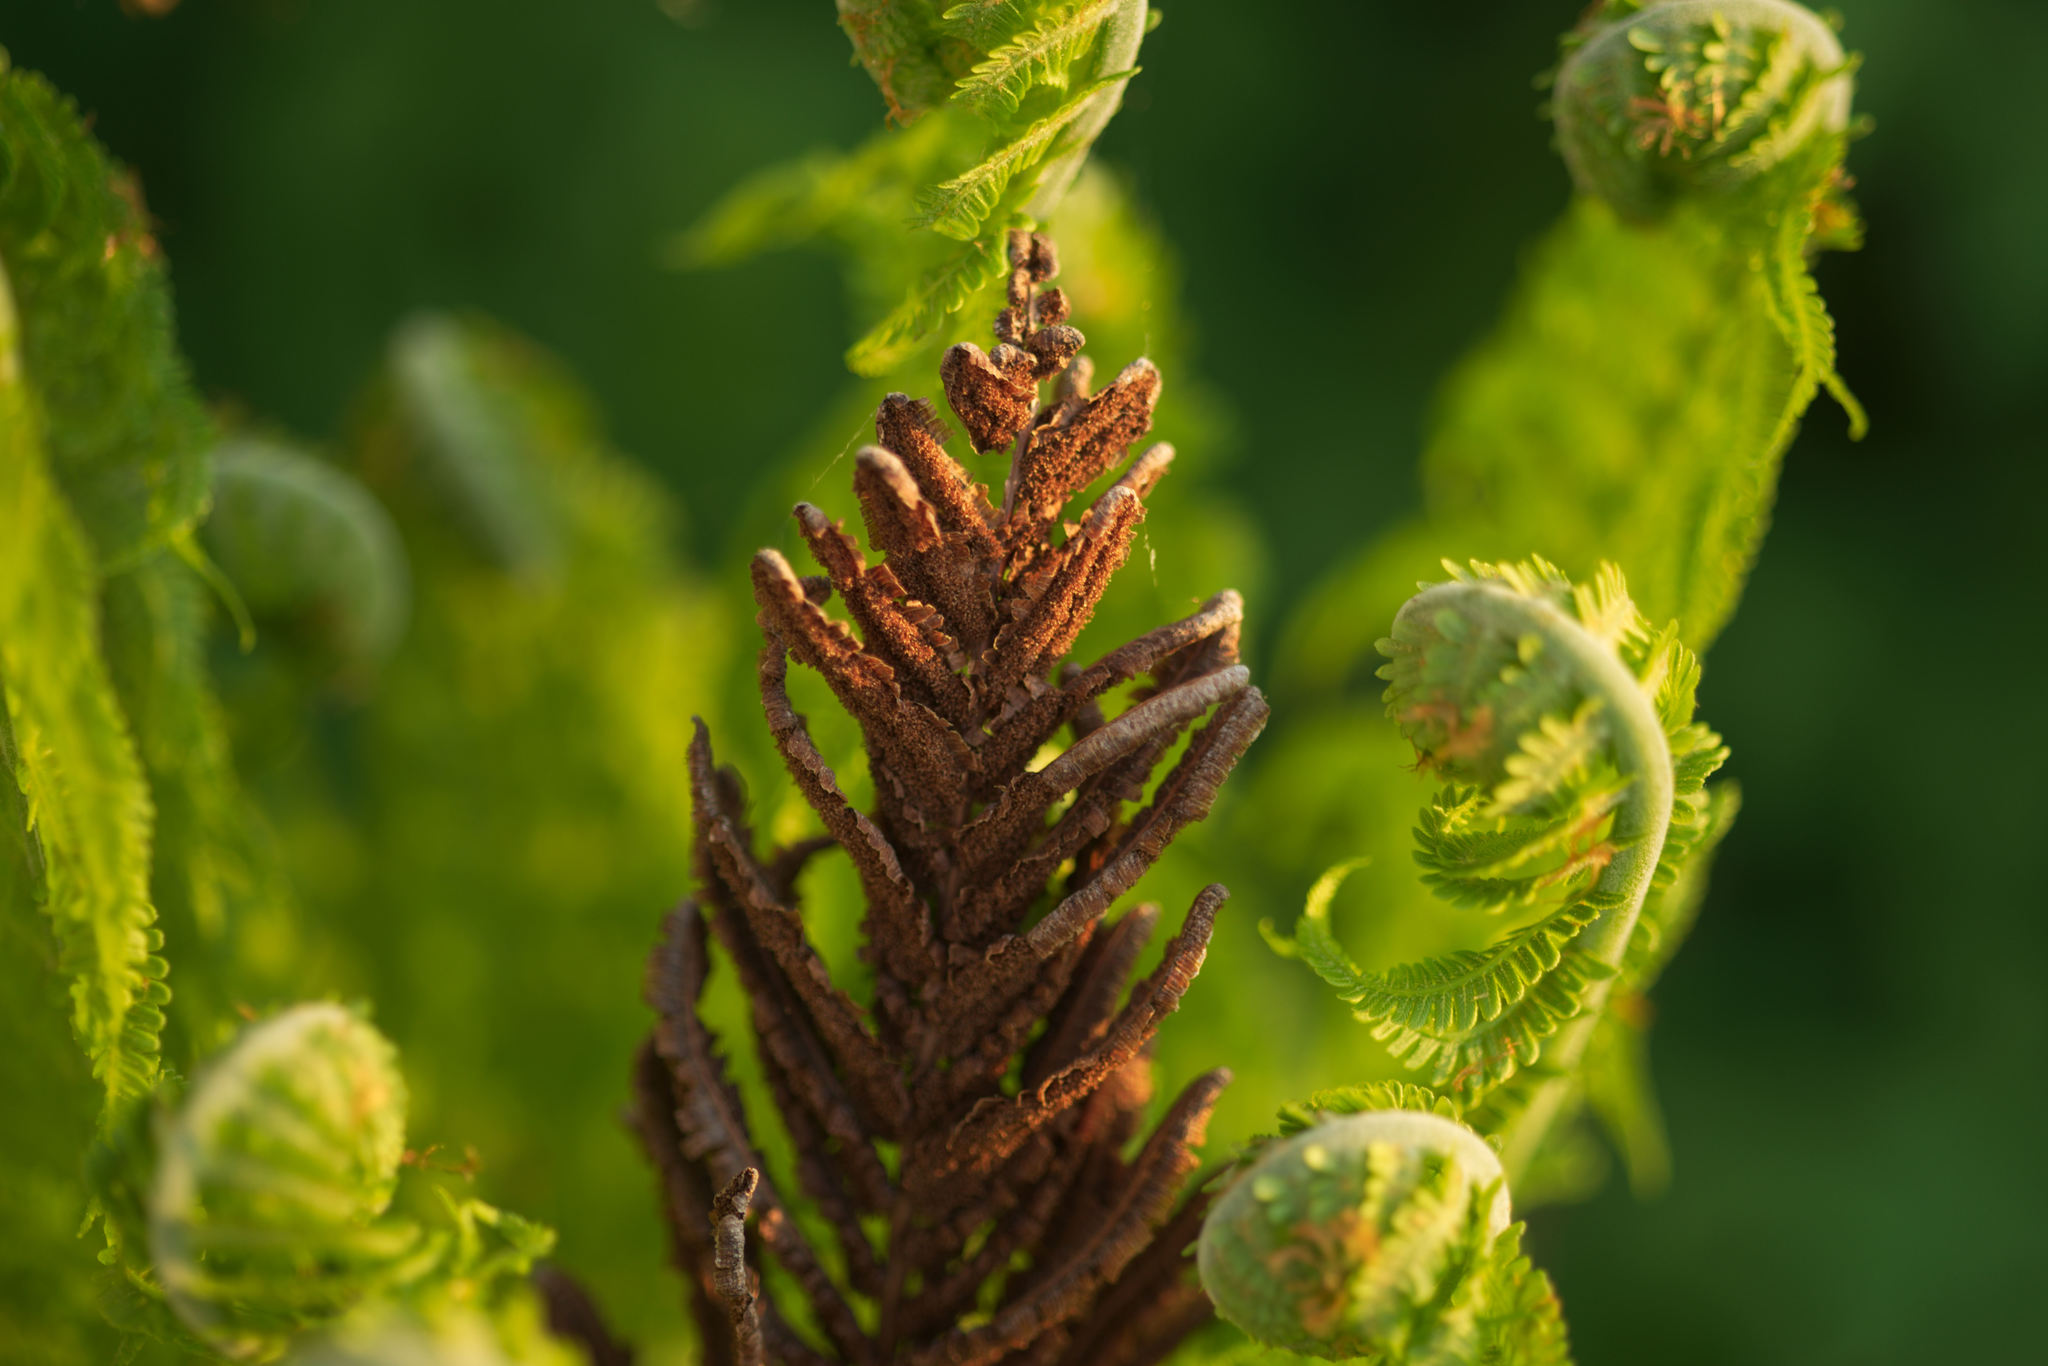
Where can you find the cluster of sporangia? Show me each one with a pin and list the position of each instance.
(965, 1138)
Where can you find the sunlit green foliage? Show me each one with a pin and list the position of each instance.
(1632, 407)
(127, 439)
(1000, 102)
(1629, 414)
(121, 797)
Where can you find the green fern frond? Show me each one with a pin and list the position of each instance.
(1637, 400)
(1565, 726)
(959, 207)
(474, 438)
(87, 805)
(849, 194)
(1809, 330)
(1473, 855)
(1042, 55)
(1475, 1018)
(302, 540)
(944, 292)
(1520, 1321)
(125, 436)
(1550, 761)
(215, 878)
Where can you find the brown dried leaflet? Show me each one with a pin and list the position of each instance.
(971, 1139)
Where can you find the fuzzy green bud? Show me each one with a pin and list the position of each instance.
(272, 1175)
(1352, 1237)
(1656, 102)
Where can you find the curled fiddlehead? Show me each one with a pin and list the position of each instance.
(306, 544)
(1382, 1234)
(1657, 101)
(1574, 803)
(270, 1208)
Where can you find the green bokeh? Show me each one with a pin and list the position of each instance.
(1851, 1047)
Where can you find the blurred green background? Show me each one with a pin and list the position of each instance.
(1852, 1048)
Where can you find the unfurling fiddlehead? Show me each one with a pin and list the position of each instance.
(270, 1208)
(1573, 801)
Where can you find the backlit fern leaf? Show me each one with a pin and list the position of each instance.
(1475, 1017)
(1521, 1322)
(124, 435)
(944, 292)
(1472, 855)
(86, 802)
(1472, 1014)
(959, 207)
(1549, 760)
(1041, 55)
(1809, 330)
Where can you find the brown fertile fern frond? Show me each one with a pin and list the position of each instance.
(964, 1138)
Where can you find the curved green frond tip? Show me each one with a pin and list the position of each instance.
(1382, 1235)
(1576, 791)
(478, 403)
(302, 541)
(1576, 785)
(270, 1211)
(1657, 101)
(1301, 1115)
(127, 436)
(271, 1179)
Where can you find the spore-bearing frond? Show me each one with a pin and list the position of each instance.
(964, 1136)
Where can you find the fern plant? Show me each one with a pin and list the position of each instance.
(925, 1144)
(1575, 805)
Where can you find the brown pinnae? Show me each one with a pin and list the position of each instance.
(966, 1135)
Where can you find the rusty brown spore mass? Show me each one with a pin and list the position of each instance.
(964, 1139)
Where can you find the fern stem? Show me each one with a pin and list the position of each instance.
(1641, 823)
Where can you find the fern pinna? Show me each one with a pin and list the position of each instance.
(964, 1140)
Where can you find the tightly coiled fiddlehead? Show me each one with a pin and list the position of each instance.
(1357, 1236)
(270, 1210)
(1657, 101)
